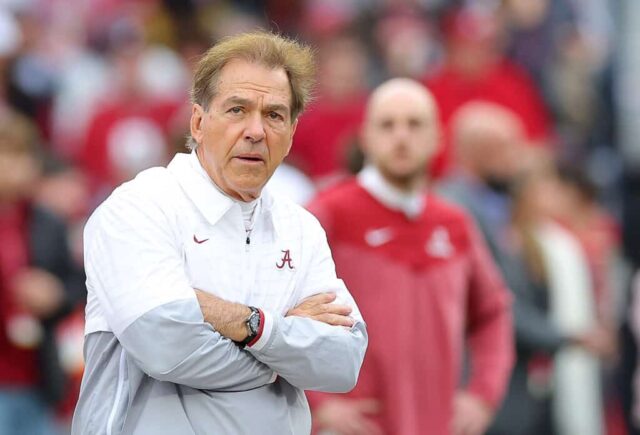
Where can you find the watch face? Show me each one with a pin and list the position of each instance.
(254, 322)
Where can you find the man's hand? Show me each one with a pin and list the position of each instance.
(600, 341)
(471, 416)
(348, 416)
(228, 318)
(320, 307)
(38, 292)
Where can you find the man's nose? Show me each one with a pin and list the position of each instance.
(254, 130)
(401, 132)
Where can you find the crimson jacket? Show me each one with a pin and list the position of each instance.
(424, 284)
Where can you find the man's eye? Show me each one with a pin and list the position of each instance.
(275, 116)
(386, 125)
(415, 123)
(235, 110)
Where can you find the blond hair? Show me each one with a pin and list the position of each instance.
(265, 48)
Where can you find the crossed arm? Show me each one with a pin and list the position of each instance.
(317, 345)
(186, 351)
(136, 273)
(228, 318)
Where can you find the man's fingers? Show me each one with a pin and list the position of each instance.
(345, 417)
(368, 406)
(458, 424)
(334, 319)
(370, 427)
(353, 427)
(319, 299)
(319, 305)
(342, 310)
(361, 426)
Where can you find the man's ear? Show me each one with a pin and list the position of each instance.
(434, 141)
(197, 113)
(362, 138)
(293, 132)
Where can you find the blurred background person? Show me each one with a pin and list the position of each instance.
(634, 317)
(489, 140)
(599, 235)
(39, 284)
(110, 74)
(323, 139)
(130, 129)
(555, 260)
(424, 280)
(476, 68)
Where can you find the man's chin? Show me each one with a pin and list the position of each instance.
(248, 191)
(403, 175)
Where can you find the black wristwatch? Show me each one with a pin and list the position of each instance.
(253, 326)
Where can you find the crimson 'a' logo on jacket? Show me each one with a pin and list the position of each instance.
(286, 259)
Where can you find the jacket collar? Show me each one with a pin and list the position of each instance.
(411, 204)
(204, 193)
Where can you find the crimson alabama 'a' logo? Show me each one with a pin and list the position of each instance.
(286, 259)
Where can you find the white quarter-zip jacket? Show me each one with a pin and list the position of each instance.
(153, 366)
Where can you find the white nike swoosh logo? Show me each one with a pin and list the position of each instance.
(378, 237)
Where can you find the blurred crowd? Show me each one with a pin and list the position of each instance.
(93, 91)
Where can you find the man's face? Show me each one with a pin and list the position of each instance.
(247, 130)
(400, 132)
(18, 175)
(498, 155)
(495, 148)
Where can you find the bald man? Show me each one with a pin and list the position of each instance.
(489, 140)
(424, 280)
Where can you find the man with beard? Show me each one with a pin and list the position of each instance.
(424, 280)
(489, 140)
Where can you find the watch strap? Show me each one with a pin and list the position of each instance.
(254, 335)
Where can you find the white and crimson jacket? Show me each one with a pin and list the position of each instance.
(152, 364)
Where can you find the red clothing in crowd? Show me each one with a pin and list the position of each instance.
(505, 83)
(323, 135)
(112, 120)
(422, 285)
(18, 365)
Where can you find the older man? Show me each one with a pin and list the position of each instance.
(424, 280)
(213, 305)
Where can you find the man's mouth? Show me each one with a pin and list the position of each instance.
(250, 158)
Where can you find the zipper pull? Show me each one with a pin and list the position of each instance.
(248, 242)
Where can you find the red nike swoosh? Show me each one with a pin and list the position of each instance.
(198, 241)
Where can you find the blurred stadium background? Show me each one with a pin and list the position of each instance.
(103, 86)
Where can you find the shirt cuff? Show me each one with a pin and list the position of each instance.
(264, 333)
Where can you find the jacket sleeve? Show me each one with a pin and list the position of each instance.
(490, 330)
(135, 269)
(312, 355)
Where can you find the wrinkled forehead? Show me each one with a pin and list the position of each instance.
(254, 80)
